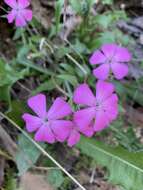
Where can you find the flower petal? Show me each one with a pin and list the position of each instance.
(103, 90)
(109, 50)
(32, 122)
(20, 21)
(122, 55)
(101, 121)
(120, 70)
(102, 71)
(44, 134)
(83, 95)
(59, 109)
(83, 118)
(11, 3)
(23, 3)
(61, 129)
(38, 104)
(88, 131)
(111, 107)
(97, 58)
(26, 14)
(73, 138)
(11, 16)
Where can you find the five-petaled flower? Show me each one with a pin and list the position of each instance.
(100, 110)
(111, 57)
(19, 12)
(49, 125)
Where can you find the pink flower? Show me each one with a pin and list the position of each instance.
(20, 13)
(74, 136)
(49, 125)
(100, 109)
(110, 57)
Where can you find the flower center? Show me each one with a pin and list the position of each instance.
(18, 8)
(109, 60)
(98, 106)
(45, 120)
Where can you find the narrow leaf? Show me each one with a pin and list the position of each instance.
(125, 168)
(27, 155)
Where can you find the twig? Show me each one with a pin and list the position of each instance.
(7, 142)
(5, 155)
(60, 89)
(3, 9)
(72, 47)
(45, 168)
(77, 64)
(2, 165)
(24, 87)
(92, 176)
(43, 151)
(65, 10)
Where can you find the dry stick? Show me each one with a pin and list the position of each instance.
(65, 10)
(60, 89)
(7, 142)
(2, 167)
(45, 168)
(77, 64)
(43, 151)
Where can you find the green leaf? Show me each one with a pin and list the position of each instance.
(27, 154)
(107, 2)
(62, 51)
(55, 178)
(125, 168)
(106, 37)
(134, 92)
(80, 47)
(76, 5)
(18, 34)
(104, 20)
(5, 94)
(68, 68)
(70, 78)
(23, 52)
(17, 109)
(82, 7)
(8, 76)
(46, 86)
(10, 180)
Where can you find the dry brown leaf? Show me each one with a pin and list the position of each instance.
(32, 181)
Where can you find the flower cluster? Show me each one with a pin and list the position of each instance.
(20, 13)
(60, 123)
(51, 126)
